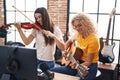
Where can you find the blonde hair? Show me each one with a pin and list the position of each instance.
(86, 21)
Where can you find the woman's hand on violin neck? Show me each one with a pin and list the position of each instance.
(17, 25)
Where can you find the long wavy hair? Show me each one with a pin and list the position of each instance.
(87, 22)
(47, 24)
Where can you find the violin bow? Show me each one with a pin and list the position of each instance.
(27, 17)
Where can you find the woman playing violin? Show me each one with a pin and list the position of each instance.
(45, 45)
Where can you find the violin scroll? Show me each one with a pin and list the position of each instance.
(5, 26)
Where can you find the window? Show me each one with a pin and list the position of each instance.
(26, 7)
(99, 10)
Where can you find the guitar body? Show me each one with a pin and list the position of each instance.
(77, 55)
(108, 50)
(107, 55)
(65, 61)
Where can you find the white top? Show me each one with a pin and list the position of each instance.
(44, 52)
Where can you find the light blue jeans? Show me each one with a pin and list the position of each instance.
(67, 70)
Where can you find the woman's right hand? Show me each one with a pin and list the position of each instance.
(48, 33)
(17, 25)
(65, 53)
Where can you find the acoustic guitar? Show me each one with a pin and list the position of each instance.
(107, 50)
(75, 56)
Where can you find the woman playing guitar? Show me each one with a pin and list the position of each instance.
(87, 40)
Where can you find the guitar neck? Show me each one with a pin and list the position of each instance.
(72, 59)
(108, 32)
(109, 25)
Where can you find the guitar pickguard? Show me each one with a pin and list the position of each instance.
(108, 50)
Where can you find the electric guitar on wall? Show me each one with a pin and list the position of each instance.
(75, 57)
(106, 54)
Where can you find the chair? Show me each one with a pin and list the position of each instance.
(58, 56)
(98, 75)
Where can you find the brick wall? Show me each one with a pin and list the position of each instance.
(58, 12)
(1, 12)
(56, 8)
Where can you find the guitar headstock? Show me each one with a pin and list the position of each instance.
(112, 12)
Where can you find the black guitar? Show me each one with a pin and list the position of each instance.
(106, 55)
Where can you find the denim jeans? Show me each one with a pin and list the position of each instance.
(67, 70)
(49, 63)
(92, 72)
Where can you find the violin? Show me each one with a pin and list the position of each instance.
(24, 25)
